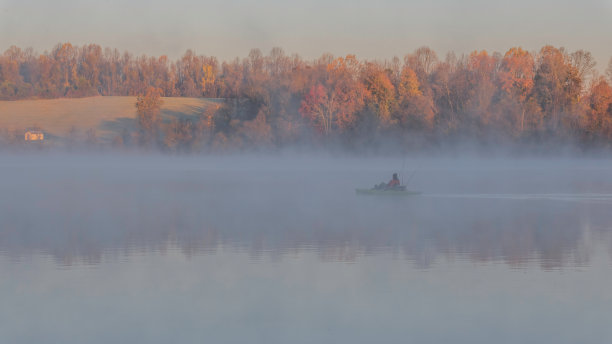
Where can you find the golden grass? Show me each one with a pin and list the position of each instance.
(108, 116)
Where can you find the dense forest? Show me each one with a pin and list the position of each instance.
(545, 98)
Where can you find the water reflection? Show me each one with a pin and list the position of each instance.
(86, 223)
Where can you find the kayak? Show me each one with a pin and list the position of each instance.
(387, 192)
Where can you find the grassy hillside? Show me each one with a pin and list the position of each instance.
(108, 116)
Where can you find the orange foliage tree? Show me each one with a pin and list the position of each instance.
(599, 113)
(336, 103)
(516, 79)
(148, 106)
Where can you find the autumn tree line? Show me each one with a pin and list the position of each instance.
(547, 97)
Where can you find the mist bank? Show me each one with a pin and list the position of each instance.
(548, 98)
(130, 142)
(85, 209)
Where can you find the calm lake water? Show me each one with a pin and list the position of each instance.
(144, 249)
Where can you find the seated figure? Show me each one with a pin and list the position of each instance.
(391, 185)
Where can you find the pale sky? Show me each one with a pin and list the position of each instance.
(369, 29)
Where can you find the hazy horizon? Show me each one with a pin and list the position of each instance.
(370, 30)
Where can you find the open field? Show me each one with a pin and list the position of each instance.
(108, 116)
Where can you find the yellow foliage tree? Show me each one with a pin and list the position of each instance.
(208, 77)
(409, 85)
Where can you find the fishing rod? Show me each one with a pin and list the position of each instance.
(410, 177)
(403, 169)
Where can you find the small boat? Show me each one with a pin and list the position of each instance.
(400, 191)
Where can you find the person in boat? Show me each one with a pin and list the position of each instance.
(393, 184)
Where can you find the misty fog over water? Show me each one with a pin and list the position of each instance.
(157, 249)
